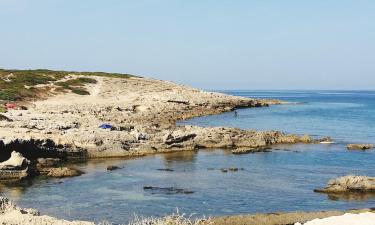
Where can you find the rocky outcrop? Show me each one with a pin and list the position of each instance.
(62, 172)
(10, 214)
(241, 141)
(15, 168)
(349, 184)
(359, 146)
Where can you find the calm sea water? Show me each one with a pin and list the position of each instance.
(281, 180)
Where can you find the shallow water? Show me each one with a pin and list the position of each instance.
(281, 180)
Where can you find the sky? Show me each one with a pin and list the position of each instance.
(210, 44)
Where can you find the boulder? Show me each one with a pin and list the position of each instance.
(349, 183)
(16, 161)
(15, 168)
(359, 146)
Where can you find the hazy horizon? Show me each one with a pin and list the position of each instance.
(215, 45)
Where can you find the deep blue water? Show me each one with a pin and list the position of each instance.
(281, 180)
(347, 116)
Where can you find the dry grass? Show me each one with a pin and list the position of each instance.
(173, 219)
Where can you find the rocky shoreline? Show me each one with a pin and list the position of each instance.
(128, 117)
(10, 214)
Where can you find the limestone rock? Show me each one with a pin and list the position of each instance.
(349, 183)
(16, 161)
(62, 172)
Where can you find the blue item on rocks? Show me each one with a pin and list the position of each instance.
(106, 126)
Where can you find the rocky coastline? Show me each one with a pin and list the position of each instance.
(122, 117)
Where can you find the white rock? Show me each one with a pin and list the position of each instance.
(367, 218)
(15, 160)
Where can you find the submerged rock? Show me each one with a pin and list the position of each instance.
(167, 190)
(325, 140)
(111, 167)
(359, 146)
(349, 183)
(239, 151)
(166, 169)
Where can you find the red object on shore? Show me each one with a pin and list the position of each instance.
(10, 105)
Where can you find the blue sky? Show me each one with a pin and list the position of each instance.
(212, 44)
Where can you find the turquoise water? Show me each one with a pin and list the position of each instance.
(281, 180)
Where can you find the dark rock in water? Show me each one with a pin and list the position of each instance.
(224, 170)
(359, 146)
(239, 151)
(167, 169)
(233, 169)
(110, 168)
(325, 140)
(167, 190)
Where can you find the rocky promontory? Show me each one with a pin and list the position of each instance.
(123, 116)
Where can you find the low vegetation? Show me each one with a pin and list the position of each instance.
(173, 219)
(18, 85)
(76, 85)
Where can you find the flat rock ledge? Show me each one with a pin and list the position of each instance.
(10, 214)
(359, 146)
(349, 183)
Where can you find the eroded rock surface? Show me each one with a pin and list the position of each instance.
(349, 183)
